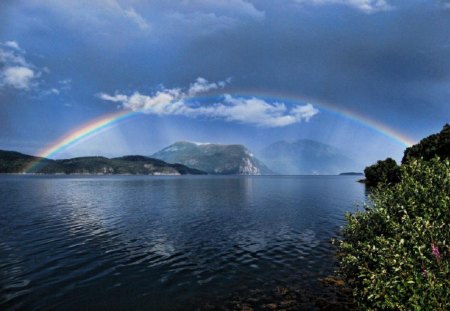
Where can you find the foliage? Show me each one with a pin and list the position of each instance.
(386, 171)
(431, 146)
(396, 253)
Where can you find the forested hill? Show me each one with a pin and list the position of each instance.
(15, 162)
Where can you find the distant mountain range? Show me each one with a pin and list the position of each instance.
(214, 158)
(300, 157)
(15, 162)
(307, 157)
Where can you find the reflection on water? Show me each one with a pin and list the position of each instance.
(163, 243)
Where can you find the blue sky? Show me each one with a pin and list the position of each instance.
(187, 64)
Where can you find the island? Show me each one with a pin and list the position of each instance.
(351, 174)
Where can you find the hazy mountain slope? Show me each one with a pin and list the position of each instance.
(306, 156)
(213, 158)
(15, 162)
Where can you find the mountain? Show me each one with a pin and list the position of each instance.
(305, 157)
(213, 158)
(15, 162)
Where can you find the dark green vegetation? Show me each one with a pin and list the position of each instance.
(383, 171)
(15, 162)
(214, 158)
(396, 253)
(306, 157)
(428, 148)
(431, 146)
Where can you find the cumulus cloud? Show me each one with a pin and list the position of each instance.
(257, 111)
(179, 102)
(12, 44)
(202, 85)
(17, 77)
(11, 57)
(15, 71)
(367, 6)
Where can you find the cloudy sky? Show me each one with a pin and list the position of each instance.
(236, 71)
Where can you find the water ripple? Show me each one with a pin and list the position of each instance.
(158, 243)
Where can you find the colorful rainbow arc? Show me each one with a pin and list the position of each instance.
(80, 134)
(103, 123)
(340, 111)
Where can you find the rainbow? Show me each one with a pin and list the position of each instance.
(104, 123)
(80, 134)
(353, 116)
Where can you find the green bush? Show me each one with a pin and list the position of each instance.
(395, 253)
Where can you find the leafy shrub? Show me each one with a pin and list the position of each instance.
(396, 253)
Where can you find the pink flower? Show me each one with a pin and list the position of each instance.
(435, 250)
(425, 273)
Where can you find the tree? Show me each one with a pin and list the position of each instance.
(386, 171)
(431, 146)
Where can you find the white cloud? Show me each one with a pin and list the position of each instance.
(367, 6)
(52, 91)
(113, 98)
(11, 57)
(12, 44)
(178, 102)
(15, 71)
(202, 85)
(17, 77)
(257, 112)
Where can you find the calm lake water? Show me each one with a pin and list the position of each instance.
(164, 243)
